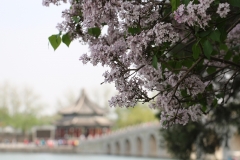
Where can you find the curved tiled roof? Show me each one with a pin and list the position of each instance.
(83, 106)
(83, 113)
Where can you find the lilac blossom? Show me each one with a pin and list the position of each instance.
(129, 55)
(194, 14)
(223, 9)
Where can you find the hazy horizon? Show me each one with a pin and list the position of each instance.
(27, 59)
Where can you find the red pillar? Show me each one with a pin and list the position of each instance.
(80, 132)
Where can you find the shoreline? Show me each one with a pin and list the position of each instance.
(38, 149)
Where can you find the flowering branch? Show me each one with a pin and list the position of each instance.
(178, 50)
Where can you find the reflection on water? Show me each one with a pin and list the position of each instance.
(47, 156)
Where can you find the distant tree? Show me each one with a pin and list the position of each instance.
(133, 116)
(4, 116)
(21, 108)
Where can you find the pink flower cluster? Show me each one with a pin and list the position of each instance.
(194, 14)
(55, 2)
(130, 56)
(223, 9)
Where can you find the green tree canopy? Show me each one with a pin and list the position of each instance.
(133, 116)
(21, 108)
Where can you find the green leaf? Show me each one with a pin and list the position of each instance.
(175, 4)
(195, 1)
(207, 48)
(216, 2)
(223, 32)
(211, 70)
(196, 51)
(66, 39)
(215, 35)
(215, 52)
(199, 96)
(215, 102)
(172, 63)
(177, 49)
(95, 31)
(236, 59)
(228, 55)
(209, 87)
(167, 11)
(204, 33)
(204, 108)
(234, 3)
(223, 47)
(76, 19)
(134, 30)
(184, 93)
(223, 36)
(103, 24)
(178, 65)
(55, 41)
(163, 66)
(185, 2)
(187, 63)
(220, 95)
(154, 61)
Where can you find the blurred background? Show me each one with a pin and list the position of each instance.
(36, 82)
(53, 106)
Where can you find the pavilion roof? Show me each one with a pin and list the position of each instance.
(83, 106)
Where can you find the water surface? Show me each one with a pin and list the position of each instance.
(49, 156)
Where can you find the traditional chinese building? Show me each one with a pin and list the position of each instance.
(83, 118)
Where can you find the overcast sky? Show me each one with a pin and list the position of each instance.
(26, 59)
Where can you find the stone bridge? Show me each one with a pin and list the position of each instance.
(141, 140)
(144, 140)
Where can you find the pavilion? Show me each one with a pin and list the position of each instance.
(84, 118)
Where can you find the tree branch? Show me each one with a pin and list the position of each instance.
(225, 61)
(185, 75)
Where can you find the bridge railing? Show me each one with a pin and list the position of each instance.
(125, 130)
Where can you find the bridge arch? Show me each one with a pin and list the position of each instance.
(153, 146)
(117, 148)
(142, 140)
(139, 144)
(127, 147)
(109, 149)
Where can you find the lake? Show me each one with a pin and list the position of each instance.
(48, 156)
